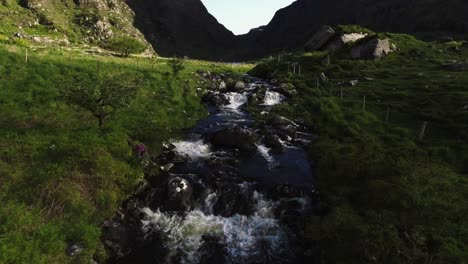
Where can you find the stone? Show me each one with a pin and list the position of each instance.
(103, 30)
(341, 40)
(179, 192)
(222, 86)
(235, 138)
(287, 89)
(239, 86)
(74, 250)
(373, 49)
(456, 66)
(319, 39)
(274, 143)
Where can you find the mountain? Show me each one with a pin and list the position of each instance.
(183, 28)
(292, 26)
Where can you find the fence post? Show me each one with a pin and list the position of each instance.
(364, 103)
(422, 132)
(27, 59)
(387, 116)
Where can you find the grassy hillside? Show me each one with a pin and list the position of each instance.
(60, 176)
(67, 22)
(386, 196)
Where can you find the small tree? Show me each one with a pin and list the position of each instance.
(177, 65)
(126, 46)
(102, 96)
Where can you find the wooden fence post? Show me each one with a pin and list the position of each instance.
(422, 132)
(364, 103)
(387, 116)
(27, 59)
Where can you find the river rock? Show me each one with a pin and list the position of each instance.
(217, 99)
(287, 89)
(233, 200)
(279, 121)
(212, 250)
(274, 142)
(239, 86)
(319, 39)
(179, 192)
(373, 49)
(234, 138)
(456, 66)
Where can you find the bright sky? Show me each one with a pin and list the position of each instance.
(240, 16)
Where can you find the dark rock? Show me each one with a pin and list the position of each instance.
(284, 191)
(456, 66)
(232, 200)
(287, 89)
(319, 39)
(179, 192)
(274, 142)
(212, 250)
(239, 86)
(279, 121)
(217, 99)
(235, 138)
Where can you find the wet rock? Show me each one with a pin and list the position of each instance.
(456, 66)
(239, 86)
(74, 250)
(274, 142)
(222, 86)
(212, 250)
(279, 121)
(167, 167)
(179, 192)
(233, 200)
(235, 138)
(373, 49)
(217, 99)
(284, 191)
(247, 79)
(287, 89)
(320, 38)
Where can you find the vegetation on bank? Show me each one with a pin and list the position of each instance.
(386, 195)
(60, 175)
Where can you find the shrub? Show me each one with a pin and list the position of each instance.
(177, 65)
(102, 96)
(125, 46)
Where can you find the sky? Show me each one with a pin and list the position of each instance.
(240, 16)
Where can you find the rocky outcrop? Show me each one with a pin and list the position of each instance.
(373, 49)
(340, 41)
(320, 38)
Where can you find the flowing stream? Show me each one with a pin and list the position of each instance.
(219, 204)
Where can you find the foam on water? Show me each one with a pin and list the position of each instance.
(265, 152)
(273, 98)
(236, 100)
(194, 149)
(245, 237)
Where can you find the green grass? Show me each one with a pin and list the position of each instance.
(391, 197)
(60, 177)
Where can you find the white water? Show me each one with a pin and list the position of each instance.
(236, 100)
(194, 149)
(265, 152)
(245, 237)
(273, 98)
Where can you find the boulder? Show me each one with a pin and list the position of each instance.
(216, 99)
(179, 192)
(235, 138)
(274, 142)
(233, 200)
(342, 39)
(319, 39)
(103, 30)
(239, 86)
(222, 86)
(373, 49)
(287, 89)
(279, 121)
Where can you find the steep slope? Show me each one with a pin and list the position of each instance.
(67, 21)
(183, 28)
(293, 25)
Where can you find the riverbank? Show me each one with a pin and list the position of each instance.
(391, 194)
(60, 176)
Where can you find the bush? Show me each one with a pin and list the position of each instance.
(177, 65)
(101, 96)
(125, 46)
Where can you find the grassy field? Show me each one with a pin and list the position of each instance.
(60, 176)
(386, 196)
